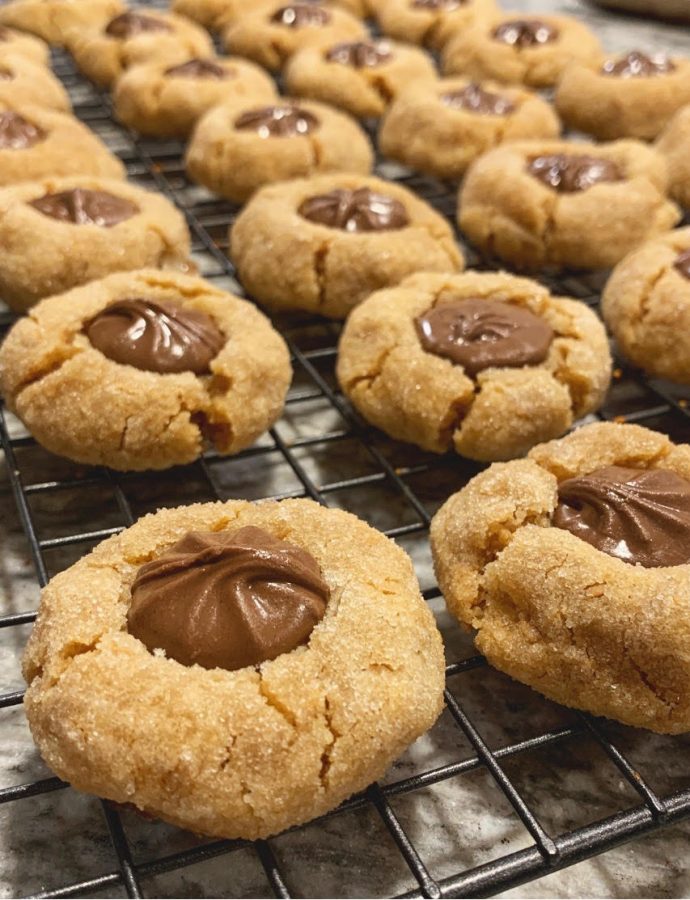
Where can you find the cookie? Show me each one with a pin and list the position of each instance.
(248, 751)
(217, 14)
(361, 77)
(629, 96)
(673, 144)
(271, 35)
(646, 305)
(54, 20)
(561, 203)
(236, 148)
(17, 43)
(161, 100)
(86, 228)
(514, 50)
(23, 81)
(334, 240)
(430, 22)
(486, 364)
(104, 52)
(572, 566)
(441, 126)
(161, 363)
(36, 143)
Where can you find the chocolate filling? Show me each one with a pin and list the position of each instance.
(474, 98)
(438, 5)
(525, 33)
(569, 173)
(361, 54)
(17, 133)
(301, 15)
(278, 121)
(84, 207)
(682, 263)
(355, 210)
(199, 68)
(130, 24)
(638, 65)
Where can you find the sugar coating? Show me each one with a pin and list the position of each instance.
(131, 419)
(427, 400)
(401, 20)
(239, 754)
(54, 20)
(673, 145)
(578, 625)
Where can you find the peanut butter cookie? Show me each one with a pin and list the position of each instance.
(486, 364)
(88, 227)
(161, 100)
(16, 42)
(37, 143)
(565, 203)
(673, 144)
(521, 51)
(105, 51)
(239, 147)
(629, 96)
(361, 77)
(646, 305)
(271, 35)
(54, 20)
(141, 369)
(441, 126)
(328, 665)
(23, 81)
(572, 566)
(217, 14)
(430, 22)
(334, 239)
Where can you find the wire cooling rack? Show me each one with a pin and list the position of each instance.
(495, 739)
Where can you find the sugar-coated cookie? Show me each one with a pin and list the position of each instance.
(24, 81)
(55, 20)
(218, 14)
(673, 144)
(32, 48)
(430, 22)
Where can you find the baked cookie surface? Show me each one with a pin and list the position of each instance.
(487, 364)
(38, 143)
(673, 144)
(23, 81)
(238, 147)
(430, 22)
(362, 77)
(54, 20)
(519, 561)
(270, 35)
(89, 227)
(565, 203)
(141, 369)
(32, 48)
(441, 126)
(334, 239)
(248, 752)
(102, 53)
(629, 96)
(516, 50)
(646, 305)
(161, 100)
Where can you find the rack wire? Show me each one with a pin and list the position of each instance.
(65, 509)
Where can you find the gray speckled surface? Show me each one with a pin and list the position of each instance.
(58, 838)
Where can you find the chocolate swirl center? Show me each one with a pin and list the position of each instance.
(83, 207)
(355, 211)
(641, 516)
(17, 133)
(480, 334)
(474, 98)
(130, 24)
(569, 173)
(682, 264)
(278, 121)
(199, 68)
(301, 15)
(228, 599)
(437, 5)
(525, 33)
(638, 65)
(361, 54)
(156, 336)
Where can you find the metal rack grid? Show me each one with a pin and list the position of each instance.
(392, 476)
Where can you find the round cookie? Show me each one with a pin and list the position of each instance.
(513, 50)
(241, 753)
(174, 365)
(158, 99)
(54, 20)
(88, 228)
(217, 14)
(361, 77)
(486, 364)
(561, 203)
(36, 143)
(23, 81)
(673, 144)
(17, 43)
(103, 52)
(334, 239)
(551, 589)
(271, 35)
(630, 96)
(440, 127)
(237, 148)
(646, 305)
(430, 22)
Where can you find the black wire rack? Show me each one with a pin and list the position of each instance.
(495, 739)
